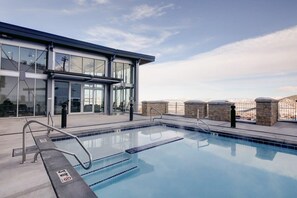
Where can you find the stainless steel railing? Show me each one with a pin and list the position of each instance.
(49, 118)
(161, 115)
(201, 121)
(60, 150)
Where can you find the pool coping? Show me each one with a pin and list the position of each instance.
(54, 162)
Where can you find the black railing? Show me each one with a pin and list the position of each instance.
(246, 110)
(287, 110)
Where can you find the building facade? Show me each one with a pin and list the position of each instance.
(39, 72)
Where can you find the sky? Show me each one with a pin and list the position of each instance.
(204, 49)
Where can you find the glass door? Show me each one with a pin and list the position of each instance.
(75, 97)
(61, 96)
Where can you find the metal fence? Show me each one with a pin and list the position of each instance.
(287, 110)
(245, 110)
(176, 108)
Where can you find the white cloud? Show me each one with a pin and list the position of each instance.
(100, 1)
(146, 11)
(117, 38)
(80, 2)
(292, 89)
(252, 64)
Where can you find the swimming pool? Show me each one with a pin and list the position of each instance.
(199, 165)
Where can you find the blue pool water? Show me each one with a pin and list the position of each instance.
(200, 165)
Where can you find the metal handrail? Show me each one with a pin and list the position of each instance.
(62, 151)
(58, 130)
(49, 118)
(161, 115)
(197, 123)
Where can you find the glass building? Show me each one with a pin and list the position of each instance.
(39, 72)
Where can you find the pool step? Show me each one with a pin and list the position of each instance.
(104, 162)
(108, 172)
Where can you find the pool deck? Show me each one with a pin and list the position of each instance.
(31, 179)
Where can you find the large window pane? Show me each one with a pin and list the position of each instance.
(41, 61)
(98, 100)
(88, 64)
(40, 97)
(76, 64)
(119, 70)
(61, 95)
(9, 57)
(99, 68)
(26, 97)
(88, 99)
(62, 62)
(128, 73)
(27, 62)
(75, 97)
(8, 96)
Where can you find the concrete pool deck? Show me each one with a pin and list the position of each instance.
(31, 179)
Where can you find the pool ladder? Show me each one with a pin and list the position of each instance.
(49, 129)
(151, 109)
(201, 121)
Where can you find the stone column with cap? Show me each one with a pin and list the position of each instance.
(160, 106)
(220, 110)
(266, 111)
(192, 107)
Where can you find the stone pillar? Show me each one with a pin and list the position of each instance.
(266, 111)
(220, 110)
(192, 106)
(160, 106)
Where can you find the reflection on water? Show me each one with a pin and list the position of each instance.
(265, 157)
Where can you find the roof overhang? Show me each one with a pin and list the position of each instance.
(60, 75)
(9, 31)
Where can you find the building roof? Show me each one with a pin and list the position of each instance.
(13, 31)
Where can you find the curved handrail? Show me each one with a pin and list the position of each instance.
(49, 118)
(62, 151)
(157, 112)
(198, 119)
(58, 130)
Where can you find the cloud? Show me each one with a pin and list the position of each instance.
(292, 89)
(100, 1)
(250, 65)
(117, 38)
(146, 11)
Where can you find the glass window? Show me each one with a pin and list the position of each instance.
(128, 73)
(61, 95)
(88, 64)
(26, 97)
(99, 68)
(62, 62)
(40, 97)
(27, 61)
(76, 64)
(8, 96)
(9, 57)
(88, 99)
(98, 100)
(119, 70)
(75, 97)
(41, 61)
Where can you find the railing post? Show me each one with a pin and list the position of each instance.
(64, 116)
(233, 116)
(176, 108)
(131, 110)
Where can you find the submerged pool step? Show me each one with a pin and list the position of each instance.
(97, 177)
(104, 162)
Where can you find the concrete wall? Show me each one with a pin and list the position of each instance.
(192, 107)
(161, 106)
(220, 110)
(267, 111)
